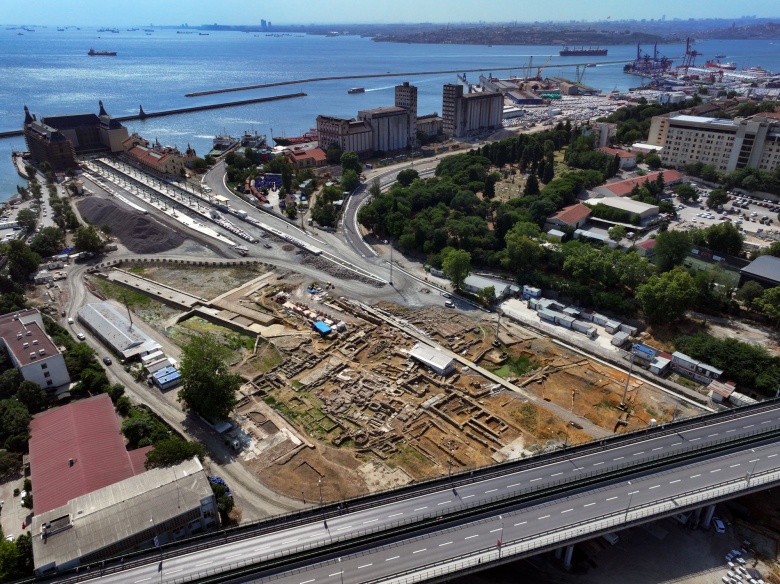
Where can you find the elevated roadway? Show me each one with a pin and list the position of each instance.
(528, 507)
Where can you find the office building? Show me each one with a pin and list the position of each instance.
(349, 135)
(726, 144)
(471, 113)
(31, 350)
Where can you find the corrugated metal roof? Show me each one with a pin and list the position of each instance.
(116, 330)
(766, 267)
(431, 356)
(87, 432)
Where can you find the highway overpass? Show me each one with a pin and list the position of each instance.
(446, 527)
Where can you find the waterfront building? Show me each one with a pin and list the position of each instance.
(430, 124)
(313, 158)
(471, 113)
(726, 144)
(31, 351)
(349, 135)
(59, 139)
(389, 128)
(155, 158)
(406, 97)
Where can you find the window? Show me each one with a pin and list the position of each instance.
(49, 382)
(44, 366)
(47, 374)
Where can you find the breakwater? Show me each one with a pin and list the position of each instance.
(142, 115)
(388, 74)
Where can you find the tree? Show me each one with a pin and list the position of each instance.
(725, 238)
(87, 239)
(456, 265)
(407, 177)
(349, 181)
(48, 241)
(27, 220)
(9, 561)
(10, 464)
(671, 248)
(686, 193)
(653, 161)
(32, 396)
(617, 233)
(351, 161)
(208, 387)
(10, 379)
(14, 424)
(749, 292)
(173, 451)
(22, 261)
(717, 197)
(78, 358)
(769, 304)
(138, 430)
(487, 295)
(665, 298)
(531, 186)
(225, 502)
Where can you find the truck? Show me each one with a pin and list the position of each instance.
(241, 250)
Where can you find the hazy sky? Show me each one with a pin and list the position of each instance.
(195, 12)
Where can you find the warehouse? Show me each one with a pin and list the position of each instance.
(643, 210)
(433, 358)
(115, 331)
(764, 269)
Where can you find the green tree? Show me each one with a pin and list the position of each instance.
(48, 241)
(617, 233)
(207, 385)
(749, 292)
(173, 451)
(456, 265)
(522, 252)
(32, 396)
(10, 465)
(349, 181)
(78, 358)
(9, 560)
(407, 177)
(653, 161)
(22, 261)
(27, 220)
(87, 239)
(14, 424)
(487, 295)
(671, 248)
(25, 559)
(686, 193)
(665, 298)
(531, 186)
(725, 238)
(225, 502)
(138, 430)
(351, 161)
(769, 304)
(717, 197)
(10, 380)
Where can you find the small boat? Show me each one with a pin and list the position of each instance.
(720, 56)
(203, 34)
(591, 65)
(357, 90)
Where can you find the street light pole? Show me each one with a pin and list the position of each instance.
(319, 484)
(501, 539)
(628, 379)
(391, 263)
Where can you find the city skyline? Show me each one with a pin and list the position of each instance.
(251, 12)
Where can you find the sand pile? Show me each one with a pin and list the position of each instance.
(138, 232)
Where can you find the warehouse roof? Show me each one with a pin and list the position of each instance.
(117, 512)
(430, 356)
(629, 205)
(76, 449)
(765, 267)
(573, 213)
(116, 330)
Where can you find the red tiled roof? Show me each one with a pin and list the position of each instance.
(613, 151)
(573, 213)
(87, 432)
(317, 154)
(646, 244)
(623, 187)
(148, 156)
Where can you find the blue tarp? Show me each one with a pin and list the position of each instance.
(321, 327)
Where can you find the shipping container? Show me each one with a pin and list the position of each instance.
(584, 327)
(631, 330)
(564, 320)
(612, 326)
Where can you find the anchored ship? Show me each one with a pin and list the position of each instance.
(582, 52)
(94, 53)
(310, 136)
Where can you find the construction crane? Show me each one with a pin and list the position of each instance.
(540, 69)
(580, 74)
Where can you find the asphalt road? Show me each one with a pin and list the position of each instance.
(481, 535)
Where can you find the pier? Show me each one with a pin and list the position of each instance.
(388, 74)
(142, 115)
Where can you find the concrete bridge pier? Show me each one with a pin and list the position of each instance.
(697, 515)
(559, 553)
(567, 557)
(708, 516)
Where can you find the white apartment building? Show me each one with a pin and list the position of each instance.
(727, 144)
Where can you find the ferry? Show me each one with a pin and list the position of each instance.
(357, 90)
(94, 53)
(310, 136)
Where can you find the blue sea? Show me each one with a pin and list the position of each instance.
(50, 72)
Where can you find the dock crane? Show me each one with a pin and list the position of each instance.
(540, 69)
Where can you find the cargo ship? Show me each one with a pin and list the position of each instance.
(94, 53)
(310, 136)
(356, 90)
(730, 66)
(582, 52)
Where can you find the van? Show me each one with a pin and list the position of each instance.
(610, 538)
(449, 304)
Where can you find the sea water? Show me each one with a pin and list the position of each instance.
(51, 73)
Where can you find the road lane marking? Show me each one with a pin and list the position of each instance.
(173, 571)
(335, 574)
(491, 491)
(521, 523)
(394, 515)
(567, 510)
(711, 435)
(653, 487)
(364, 566)
(597, 463)
(544, 517)
(204, 563)
(633, 492)
(754, 460)
(444, 502)
(672, 482)
(676, 443)
(420, 508)
(694, 439)
(771, 455)
(588, 504)
(393, 558)
(418, 551)
(144, 580)
(446, 543)
(494, 530)
(515, 485)
(265, 547)
(532, 480)
(232, 556)
(294, 540)
(734, 430)
(307, 581)
(659, 448)
(749, 426)
(619, 458)
(348, 526)
(369, 521)
(556, 474)
(766, 421)
(694, 476)
(638, 453)
(716, 470)
(734, 465)
(471, 536)
(610, 499)
(467, 497)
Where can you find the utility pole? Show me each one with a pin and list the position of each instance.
(391, 263)
(628, 379)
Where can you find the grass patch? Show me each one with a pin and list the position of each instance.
(138, 270)
(296, 384)
(515, 366)
(267, 358)
(124, 295)
(409, 458)
(527, 417)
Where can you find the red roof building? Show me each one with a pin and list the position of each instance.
(76, 449)
(627, 159)
(574, 216)
(624, 187)
(312, 158)
(646, 248)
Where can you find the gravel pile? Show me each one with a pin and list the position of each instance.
(138, 232)
(337, 271)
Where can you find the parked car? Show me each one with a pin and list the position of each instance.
(70, 321)
(81, 336)
(719, 526)
(107, 360)
(449, 304)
